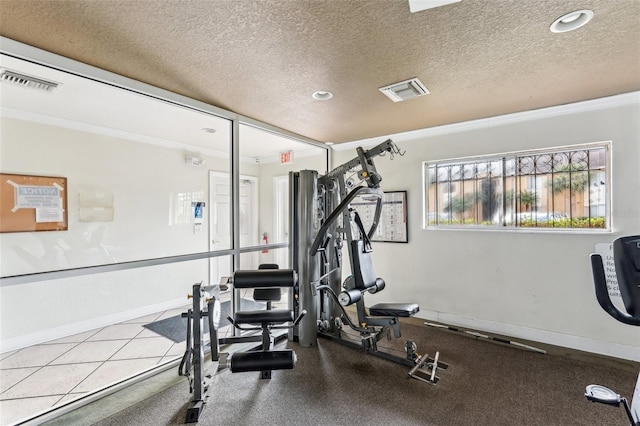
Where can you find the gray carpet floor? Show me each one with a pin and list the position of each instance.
(486, 384)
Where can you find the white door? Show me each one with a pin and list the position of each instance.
(220, 221)
(281, 217)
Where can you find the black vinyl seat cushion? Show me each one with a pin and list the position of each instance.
(394, 309)
(273, 316)
(272, 294)
(263, 360)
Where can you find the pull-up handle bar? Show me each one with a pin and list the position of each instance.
(361, 160)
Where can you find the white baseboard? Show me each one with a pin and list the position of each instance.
(600, 347)
(549, 337)
(55, 333)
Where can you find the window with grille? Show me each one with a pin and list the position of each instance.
(566, 188)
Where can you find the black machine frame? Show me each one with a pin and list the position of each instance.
(323, 222)
(626, 255)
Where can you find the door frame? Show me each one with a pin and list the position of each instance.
(254, 219)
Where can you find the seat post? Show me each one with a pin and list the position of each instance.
(267, 338)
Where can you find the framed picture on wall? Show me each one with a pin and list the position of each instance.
(32, 203)
(392, 227)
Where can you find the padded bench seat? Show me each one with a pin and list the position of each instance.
(263, 360)
(274, 316)
(394, 309)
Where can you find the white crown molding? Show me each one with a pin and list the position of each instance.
(33, 54)
(120, 134)
(107, 131)
(631, 98)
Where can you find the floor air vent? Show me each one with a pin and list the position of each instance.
(27, 81)
(405, 90)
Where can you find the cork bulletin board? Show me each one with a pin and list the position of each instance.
(32, 203)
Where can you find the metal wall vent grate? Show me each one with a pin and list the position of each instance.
(27, 80)
(405, 90)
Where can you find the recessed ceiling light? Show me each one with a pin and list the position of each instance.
(208, 130)
(322, 95)
(570, 18)
(571, 21)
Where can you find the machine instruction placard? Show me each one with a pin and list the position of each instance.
(606, 251)
(392, 226)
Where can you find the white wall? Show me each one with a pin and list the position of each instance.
(269, 171)
(144, 180)
(536, 286)
(307, 158)
(523, 284)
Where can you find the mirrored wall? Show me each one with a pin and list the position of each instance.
(116, 198)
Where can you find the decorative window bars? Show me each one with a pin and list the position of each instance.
(565, 188)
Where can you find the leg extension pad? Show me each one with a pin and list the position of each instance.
(259, 361)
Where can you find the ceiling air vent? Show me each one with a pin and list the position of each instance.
(27, 80)
(405, 90)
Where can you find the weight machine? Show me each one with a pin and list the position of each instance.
(626, 256)
(205, 304)
(261, 357)
(322, 222)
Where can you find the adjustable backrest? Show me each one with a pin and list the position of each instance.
(363, 273)
(267, 294)
(268, 266)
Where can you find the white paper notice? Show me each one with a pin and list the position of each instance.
(49, 215)
(36, 196)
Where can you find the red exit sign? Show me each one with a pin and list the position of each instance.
(286, 157)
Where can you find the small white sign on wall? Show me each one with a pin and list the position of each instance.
(36, 196)
(606, 251)
(49, 215)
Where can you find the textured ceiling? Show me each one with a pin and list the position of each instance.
(264, 59)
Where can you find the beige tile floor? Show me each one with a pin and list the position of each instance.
(41, 377)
